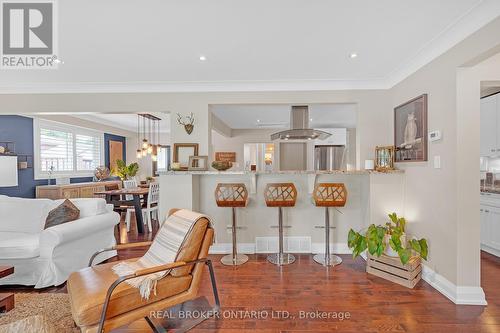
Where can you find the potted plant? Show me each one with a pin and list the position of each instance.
(149, 180)
(389, 239)
(125, 171)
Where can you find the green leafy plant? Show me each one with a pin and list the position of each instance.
(125, 171)
(377, 238)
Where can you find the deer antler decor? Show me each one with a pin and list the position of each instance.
(189, 124)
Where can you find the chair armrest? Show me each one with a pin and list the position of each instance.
(131, 245)
(81, 228)
(119, 247)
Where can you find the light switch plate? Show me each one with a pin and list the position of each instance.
(437, 162)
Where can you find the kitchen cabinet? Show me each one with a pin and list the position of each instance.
(490, 229)
(490, 125)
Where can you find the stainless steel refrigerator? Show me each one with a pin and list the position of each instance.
(329, 158)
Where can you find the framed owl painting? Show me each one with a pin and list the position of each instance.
(410, 130)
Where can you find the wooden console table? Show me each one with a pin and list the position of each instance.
(6, 300)
(76, 190)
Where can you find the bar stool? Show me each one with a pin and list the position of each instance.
(329, 195)
(232, 195)
(280, 195)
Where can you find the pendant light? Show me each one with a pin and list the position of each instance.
(144, 140)
(150, 146)
(138, 152)
(154, 156)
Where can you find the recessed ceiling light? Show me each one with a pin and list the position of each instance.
(310, 119)
(353, 55)
(203, 58)
(258, 120)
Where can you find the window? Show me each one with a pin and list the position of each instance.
(163, 157)
(66, 151)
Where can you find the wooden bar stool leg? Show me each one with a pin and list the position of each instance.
(327, 259)
(234, 259)
(280, 258)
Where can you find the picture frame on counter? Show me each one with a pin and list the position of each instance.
(410, 130)
(198, 163)
(384, 158)
(225, 156)
(182, 153)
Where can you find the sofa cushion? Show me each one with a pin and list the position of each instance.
(87, 206)
(18, 245)
(23, 215)
(65, 212)
(87, 289)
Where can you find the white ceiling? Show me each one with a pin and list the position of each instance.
(124, 121)
(122, 46)
(265, 116)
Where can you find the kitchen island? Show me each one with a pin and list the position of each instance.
(371, 196)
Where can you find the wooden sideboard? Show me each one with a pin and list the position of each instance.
(77, 190)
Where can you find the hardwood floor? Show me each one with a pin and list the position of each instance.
(372, 304)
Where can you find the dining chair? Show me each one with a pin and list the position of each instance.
(150, 209)
(130, 183)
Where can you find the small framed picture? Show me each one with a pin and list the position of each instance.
(182, 152)
(198, 163)
(384, 158)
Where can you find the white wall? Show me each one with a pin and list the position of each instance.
(443, 204)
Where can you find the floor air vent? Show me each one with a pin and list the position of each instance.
(295, 244)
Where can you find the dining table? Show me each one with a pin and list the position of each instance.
(116, 198)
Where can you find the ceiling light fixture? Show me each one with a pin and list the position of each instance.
(203, 58)
(353, 55)
(150, 134)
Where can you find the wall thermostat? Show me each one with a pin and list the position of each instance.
(434, 136)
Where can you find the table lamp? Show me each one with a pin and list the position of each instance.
(8, 171)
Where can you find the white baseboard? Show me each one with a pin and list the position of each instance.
(457, 294)
(227, 248)
(249, 248)
(336, 248)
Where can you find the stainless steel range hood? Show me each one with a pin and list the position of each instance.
(299, 123)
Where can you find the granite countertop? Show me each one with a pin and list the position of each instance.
(298, 172)
(491, 190)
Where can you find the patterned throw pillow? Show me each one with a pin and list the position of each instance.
(65, 212)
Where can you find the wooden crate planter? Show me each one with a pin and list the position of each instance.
(393, 270)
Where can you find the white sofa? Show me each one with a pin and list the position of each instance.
(44, 258)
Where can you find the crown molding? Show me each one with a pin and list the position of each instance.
(478, 16)
(181, 87)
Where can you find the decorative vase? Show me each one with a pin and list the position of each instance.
(388, 249)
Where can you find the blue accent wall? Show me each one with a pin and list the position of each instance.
(20, 130)
(112, 137)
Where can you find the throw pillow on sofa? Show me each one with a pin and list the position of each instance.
(65, 212)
